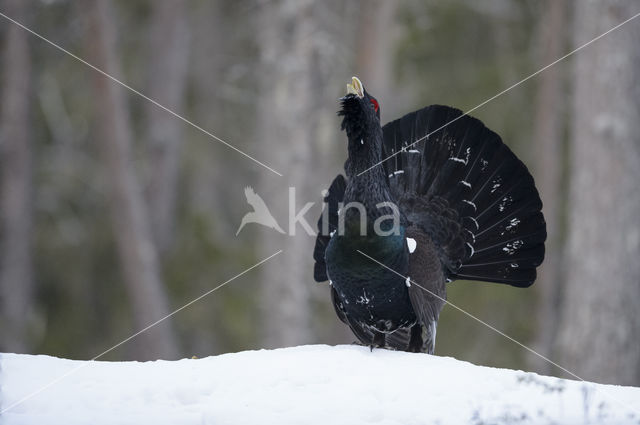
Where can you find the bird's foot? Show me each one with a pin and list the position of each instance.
(378, 341)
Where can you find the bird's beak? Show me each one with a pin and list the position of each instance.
(355, 87)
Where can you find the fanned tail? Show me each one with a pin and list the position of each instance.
(327, 224)
(485, 186)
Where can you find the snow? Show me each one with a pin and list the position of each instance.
(301, 385)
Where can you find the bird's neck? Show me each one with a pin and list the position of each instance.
(364, 149)
(367, 195)
(366, 180)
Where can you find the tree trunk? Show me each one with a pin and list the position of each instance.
(167, 72)
(548, 143)
(135, 245)
(209, 160)
(284, 124)
(600, 327)
(16, 274)
(300, 84)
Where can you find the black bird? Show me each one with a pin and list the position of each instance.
(450, 202)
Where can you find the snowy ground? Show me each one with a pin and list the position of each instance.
(301, 385)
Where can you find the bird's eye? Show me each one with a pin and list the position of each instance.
(375, 104)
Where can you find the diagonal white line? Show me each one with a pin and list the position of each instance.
(508, 89)
(114, 79)
(72, 371)
(531, 350)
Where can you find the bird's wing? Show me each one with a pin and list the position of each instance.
(254, 199)
(333, 197)
(441, 224)
(427, 284)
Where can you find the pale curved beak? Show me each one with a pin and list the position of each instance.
(355, 87)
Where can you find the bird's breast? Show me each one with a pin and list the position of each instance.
(372, 293)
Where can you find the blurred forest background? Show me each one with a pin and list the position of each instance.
(113, 212)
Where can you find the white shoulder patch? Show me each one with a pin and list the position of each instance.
(411, 243)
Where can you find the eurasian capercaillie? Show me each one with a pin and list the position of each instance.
(463, 207)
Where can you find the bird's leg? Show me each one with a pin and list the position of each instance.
(378, 340)
(415, 343)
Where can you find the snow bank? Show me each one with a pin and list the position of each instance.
(301, 385)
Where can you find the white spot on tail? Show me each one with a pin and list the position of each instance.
(512, 247)
(408, 282)
(496, 183)
(412, 244)
(361, 142)
(466, 183)
(472, 235)
(504, 203)
(465, 161)
(512, 223)
(472, 250)
(471, 203)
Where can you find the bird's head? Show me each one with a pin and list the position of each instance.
(361, 113)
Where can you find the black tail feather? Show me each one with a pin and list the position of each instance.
(490, 189)
(333, 197)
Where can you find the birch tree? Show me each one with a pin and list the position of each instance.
(167, 72)
(548, 142)
(600, 325)
(16, 273)
(302, 55)
(130, 219)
